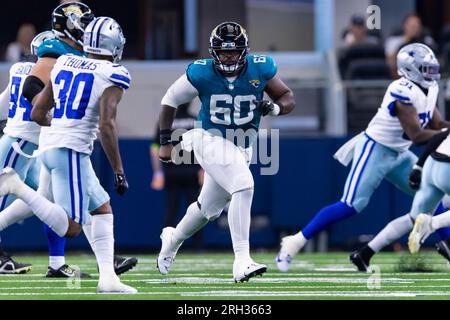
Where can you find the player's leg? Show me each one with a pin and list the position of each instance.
(102, 228)
(400, 226)
(228, 166)
(364, 177)
(10, 158)
(209, 206)
(432, 190)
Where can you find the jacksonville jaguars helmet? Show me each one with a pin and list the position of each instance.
(417, 63)
(41, 37)
(104, 36)
(228, 36)
(70, 20)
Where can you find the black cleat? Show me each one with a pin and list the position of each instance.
(443, 250)
(65, 272)
(9, 266)
(122, 265)
(358, 261)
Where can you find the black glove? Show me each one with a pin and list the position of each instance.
(415, 177)
(120, 183)
(266, 107)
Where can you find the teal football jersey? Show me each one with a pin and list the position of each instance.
(56, 48)
(228, 105)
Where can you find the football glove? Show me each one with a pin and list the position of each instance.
(120, 183)
(267, 107)
(415, 177)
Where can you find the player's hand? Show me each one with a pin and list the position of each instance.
(165, 153)
(158, 181)
(415, 177)
(120, 183)
(267, 107)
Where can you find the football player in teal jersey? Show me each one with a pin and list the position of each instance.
(230, 87)
(69, 21)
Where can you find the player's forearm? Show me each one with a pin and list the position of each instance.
(166, 118)
(286, 103)
(422, 136)
(110, 144)
(40, 115)
(154, 156)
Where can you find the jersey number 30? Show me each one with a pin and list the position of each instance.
(221, 106)
(70, 102)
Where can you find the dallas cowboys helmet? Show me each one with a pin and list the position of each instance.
(418, 63)
(104, 36)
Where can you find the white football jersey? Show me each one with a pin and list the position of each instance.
(385, 128)
(444, 147)
(19, 122)
(78, 84)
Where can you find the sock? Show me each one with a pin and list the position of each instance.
(87, 229)
(239, 222)
(103, 243)
(300, 239)
(48, 212)
(56, 262)
(444, 233)
(393, 231)
(326, 217)
(56, 246)
(15, 212)
(192, 221)
(441, 221)
(367, 253)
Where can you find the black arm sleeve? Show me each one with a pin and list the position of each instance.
(432, 145)
(31, 87)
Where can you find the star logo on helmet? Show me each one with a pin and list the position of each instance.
(411, 53)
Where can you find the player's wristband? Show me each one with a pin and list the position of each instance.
(276, 110)
(165, 136)
(416, 167)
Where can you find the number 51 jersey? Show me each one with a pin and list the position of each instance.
(78, 84)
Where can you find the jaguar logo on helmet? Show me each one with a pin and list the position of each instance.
(72, 9)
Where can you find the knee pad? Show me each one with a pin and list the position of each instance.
(211, 211)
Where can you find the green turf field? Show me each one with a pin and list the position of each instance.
(208, 276)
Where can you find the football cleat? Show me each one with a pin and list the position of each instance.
(421, 231)
(244, 270)
(357, 259)
(289, 248)
(9, 266)
(168, 251)
(112, 284)
(122, 264)
(65, 271)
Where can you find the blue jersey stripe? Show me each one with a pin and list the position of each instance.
(116, 76)
(79, 188)
(120, 84)
(362, 172)
(72, 198)
(401, 98)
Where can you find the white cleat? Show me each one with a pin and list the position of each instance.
(244, 270)
(112, 284)
(168, 251)
(9, 182)
(290, 246)
(421, 231)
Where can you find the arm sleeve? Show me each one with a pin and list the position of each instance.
(180, 92)
(432, 145)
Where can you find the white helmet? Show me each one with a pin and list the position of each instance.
(41, 37)
(418, 63)
(104, 36)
